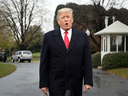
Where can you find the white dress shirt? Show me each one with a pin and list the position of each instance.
(69, 33)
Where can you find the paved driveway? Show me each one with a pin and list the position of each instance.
(106, 84)
(24, 82)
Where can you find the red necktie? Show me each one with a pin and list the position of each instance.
(66, 40)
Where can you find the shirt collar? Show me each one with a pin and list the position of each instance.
(69, 31)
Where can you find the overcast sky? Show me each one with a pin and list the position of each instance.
(54, 3)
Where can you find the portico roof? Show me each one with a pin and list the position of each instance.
(116, 28)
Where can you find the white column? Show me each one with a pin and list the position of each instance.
(102, 49)
(124, 43)
(108, 42)
(116, 43)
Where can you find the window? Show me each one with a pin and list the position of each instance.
(102, 43)
(113, 43)
(19, 53)
(26, 52)
(121, 43)
(126, 43)
(16, 53)
(106, 44)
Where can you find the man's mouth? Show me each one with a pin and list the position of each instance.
(66, 23)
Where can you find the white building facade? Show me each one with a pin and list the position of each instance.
(114, 38)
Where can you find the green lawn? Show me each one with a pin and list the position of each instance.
(123, 72)
(36, 57)
(6, 69)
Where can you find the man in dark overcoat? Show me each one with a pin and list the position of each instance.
(65, 59)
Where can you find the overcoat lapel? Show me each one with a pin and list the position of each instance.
(74, 39)
(59, 40)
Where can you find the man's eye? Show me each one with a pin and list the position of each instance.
(62, 17)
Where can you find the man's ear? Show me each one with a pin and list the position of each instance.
(72, 20)
(58, 22)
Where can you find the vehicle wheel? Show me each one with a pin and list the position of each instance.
(4, 60)
(29, 61)
(13, 60)
(19, 60)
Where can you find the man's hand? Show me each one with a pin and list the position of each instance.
(87, 87)
(45, 90)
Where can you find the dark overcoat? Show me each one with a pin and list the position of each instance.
(62, 69)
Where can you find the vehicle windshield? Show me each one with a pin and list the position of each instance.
(26, 52)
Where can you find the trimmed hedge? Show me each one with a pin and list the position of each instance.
(115, 60)
(96, 60)
(93, 51)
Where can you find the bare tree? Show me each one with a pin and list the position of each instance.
(20, 15)
(107, 4)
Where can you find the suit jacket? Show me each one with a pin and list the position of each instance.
(67, 67)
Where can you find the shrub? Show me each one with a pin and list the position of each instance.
(115, 60)
(96, 59)
(93, 51)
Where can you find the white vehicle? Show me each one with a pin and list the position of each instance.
(21, 56)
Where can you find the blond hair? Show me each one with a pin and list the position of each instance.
(60, 11)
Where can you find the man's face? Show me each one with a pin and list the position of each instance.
(65, 20)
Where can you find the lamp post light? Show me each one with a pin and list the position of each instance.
(113, 17)
(88, 32)
(106, 21)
